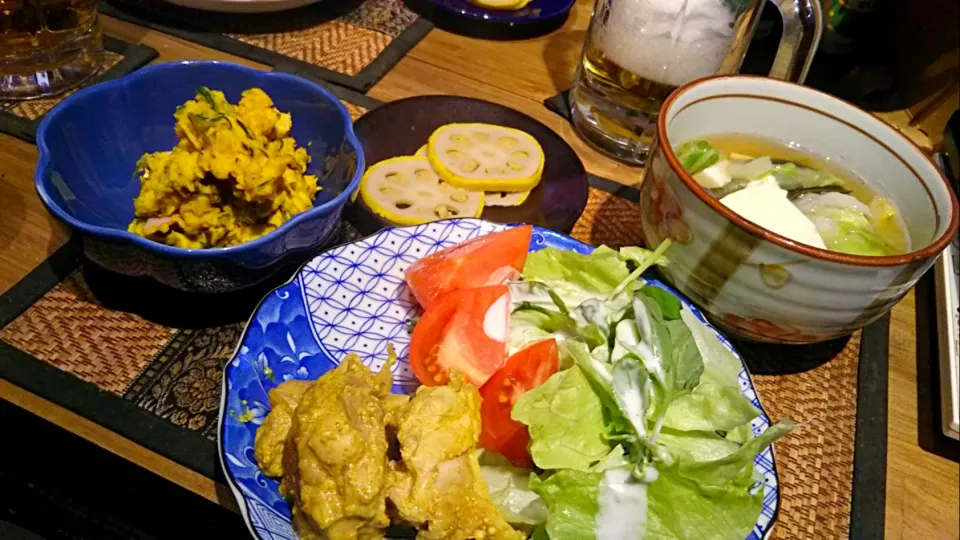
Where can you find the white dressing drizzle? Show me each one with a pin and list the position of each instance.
(623, 505)
(496, 320)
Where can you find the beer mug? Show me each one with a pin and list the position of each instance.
(47, 46)
(639, 51)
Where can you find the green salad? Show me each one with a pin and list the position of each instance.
(643, 432)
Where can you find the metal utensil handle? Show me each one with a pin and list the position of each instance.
(802, 29)
(951, 143)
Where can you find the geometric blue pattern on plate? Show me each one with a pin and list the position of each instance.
(352, 299)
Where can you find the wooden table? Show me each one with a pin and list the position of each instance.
(922, 489)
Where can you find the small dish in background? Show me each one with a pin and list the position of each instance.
(401, 127)
(243, 6)
(537, 18)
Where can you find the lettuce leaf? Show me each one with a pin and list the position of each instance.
(639, 256)
(626, 338)
(685, 365)
(631, 391)
(689, 446)
(670, 305)
(720, 366)
(667, 351)
(571, 498)
(510, 490)
(735, 469)
(654, 364)
(677, 508)
(534, 294)
(574, 276)
(614, 460)
(566, 423)
(710, 407)
(593, 312)
(540, 533)
(711, 499)
(596, 366)
(528, 327)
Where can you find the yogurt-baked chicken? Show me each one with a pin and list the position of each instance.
(333, 464)
(437, 486)
(331, 443)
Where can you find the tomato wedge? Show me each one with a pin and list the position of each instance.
(527, 369)
(492, 259)
(465, 330)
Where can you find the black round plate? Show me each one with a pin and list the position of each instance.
(401, 127)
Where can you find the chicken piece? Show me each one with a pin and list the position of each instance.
(335, 467)
(272, 435)
(438, 487)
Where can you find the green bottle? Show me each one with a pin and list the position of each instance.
(848, 22)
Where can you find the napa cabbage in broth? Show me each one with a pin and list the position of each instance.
(848, 216)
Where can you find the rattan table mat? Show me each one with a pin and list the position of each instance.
(147, 362)
(22, 117)
(352, 43)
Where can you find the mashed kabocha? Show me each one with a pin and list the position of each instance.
(234, 175)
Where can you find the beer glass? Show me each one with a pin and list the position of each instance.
(639, 51)
(47, 46)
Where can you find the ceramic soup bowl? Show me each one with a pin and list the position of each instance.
(760, 285)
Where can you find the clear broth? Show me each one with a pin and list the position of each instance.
(755, 146)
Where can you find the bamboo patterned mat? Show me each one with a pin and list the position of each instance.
(349, 42)
(20, 118)
(815, 462)
(170, 370)
(167, 362)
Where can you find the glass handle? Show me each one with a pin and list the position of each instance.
(802, 28)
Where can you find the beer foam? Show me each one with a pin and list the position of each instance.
(667, 41)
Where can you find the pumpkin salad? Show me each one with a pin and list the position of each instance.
(235, 174)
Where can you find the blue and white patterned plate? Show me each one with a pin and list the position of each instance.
(352, 299)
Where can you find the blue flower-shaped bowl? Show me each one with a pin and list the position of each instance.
(90, 143)
(353, 299)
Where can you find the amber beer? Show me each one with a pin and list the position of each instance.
(639, 51)
(47, 46)
(640, 96)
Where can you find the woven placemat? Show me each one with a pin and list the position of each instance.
(352, 43)
(22, 117)
(147, 362)
(815, 462)
(163, 350)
